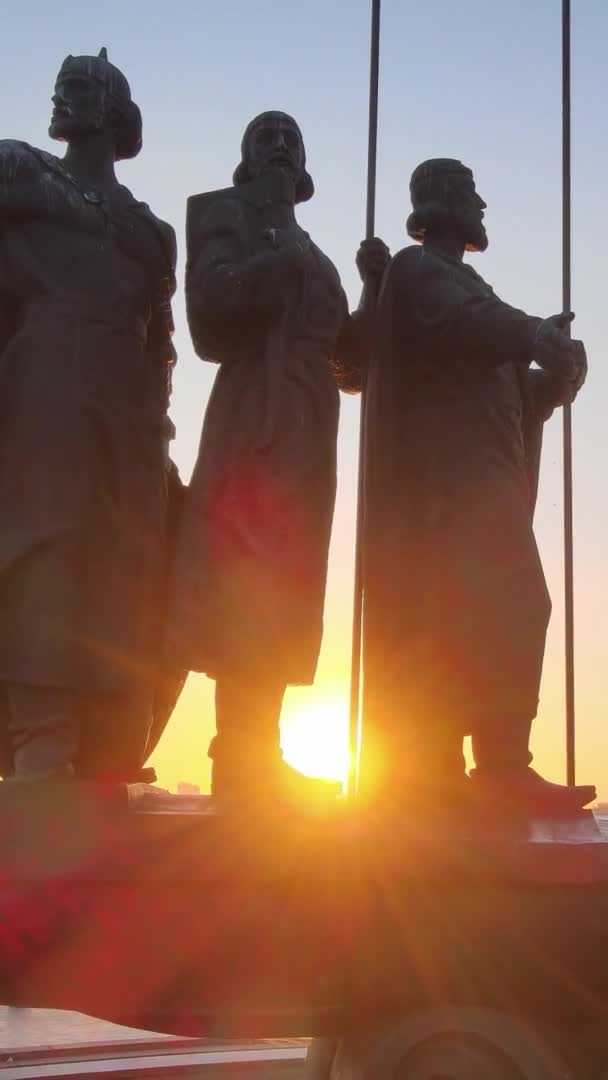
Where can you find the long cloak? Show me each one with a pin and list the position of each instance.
(456, 606)
(85, 287)
(252, 547)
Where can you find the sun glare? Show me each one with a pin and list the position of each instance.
(314, 737)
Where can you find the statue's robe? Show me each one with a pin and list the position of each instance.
(456, 606)
(85, 353)
(252, 547)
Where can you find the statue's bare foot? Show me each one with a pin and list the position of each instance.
(524, 790)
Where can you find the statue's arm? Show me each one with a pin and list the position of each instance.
(159, 344)
(350, 359)
(479, 330)
(7, 312)
(355, 343)
(547, 392)
(19, 177)
(176, 492)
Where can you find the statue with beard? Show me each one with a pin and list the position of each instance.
(456, 607)
(86, 277)
(248, 589)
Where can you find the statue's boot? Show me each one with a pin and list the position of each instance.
(113, 740)
(248, 767)
(123, 774)
(43, 730)
(245, 775)
(145, 775)
(503, 774)
(524, 790)
(60, 774)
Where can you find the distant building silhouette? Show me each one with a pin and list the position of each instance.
(185, 788)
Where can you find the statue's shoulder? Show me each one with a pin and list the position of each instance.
(403, 268)
(168, 237)
(15, 150)
(169, 240)
(406, 261)
(164, 231)
(19, 160)
(418, 260)
(407, 258)
(420, 267)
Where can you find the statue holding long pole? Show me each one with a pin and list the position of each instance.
(456, 606)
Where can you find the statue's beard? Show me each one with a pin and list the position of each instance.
(476, 237)
(288, 167)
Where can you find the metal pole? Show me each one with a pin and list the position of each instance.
(374, 66)
(355, 670)
(567, 416)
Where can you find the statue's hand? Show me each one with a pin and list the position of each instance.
(372, 260)
(554, 351)
(558, 390)
(580, 366)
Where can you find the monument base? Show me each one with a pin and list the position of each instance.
(411, 945)
(462, 1044)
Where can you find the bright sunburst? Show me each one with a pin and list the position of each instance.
(314, 737)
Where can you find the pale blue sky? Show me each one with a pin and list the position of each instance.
(475, 79)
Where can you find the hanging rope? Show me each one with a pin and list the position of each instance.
(567, 416)
(355, 671)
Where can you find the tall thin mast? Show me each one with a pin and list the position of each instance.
(567, 416)
(355, 672)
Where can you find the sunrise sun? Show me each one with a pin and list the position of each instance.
(314, 736)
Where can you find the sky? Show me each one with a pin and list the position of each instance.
(474, 79)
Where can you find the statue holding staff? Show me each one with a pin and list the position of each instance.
(456, 606)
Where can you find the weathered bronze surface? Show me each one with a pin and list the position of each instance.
(86, 278)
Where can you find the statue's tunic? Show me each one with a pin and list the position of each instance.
(456, 606)
(250, 576)
(85, 284)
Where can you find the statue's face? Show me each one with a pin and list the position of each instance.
(78, 106)
(275, 143)
(467, 208)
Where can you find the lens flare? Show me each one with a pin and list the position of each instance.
(314, 737)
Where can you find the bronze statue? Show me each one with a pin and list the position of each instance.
(86, 277)
(267, 306)
(456, 607)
